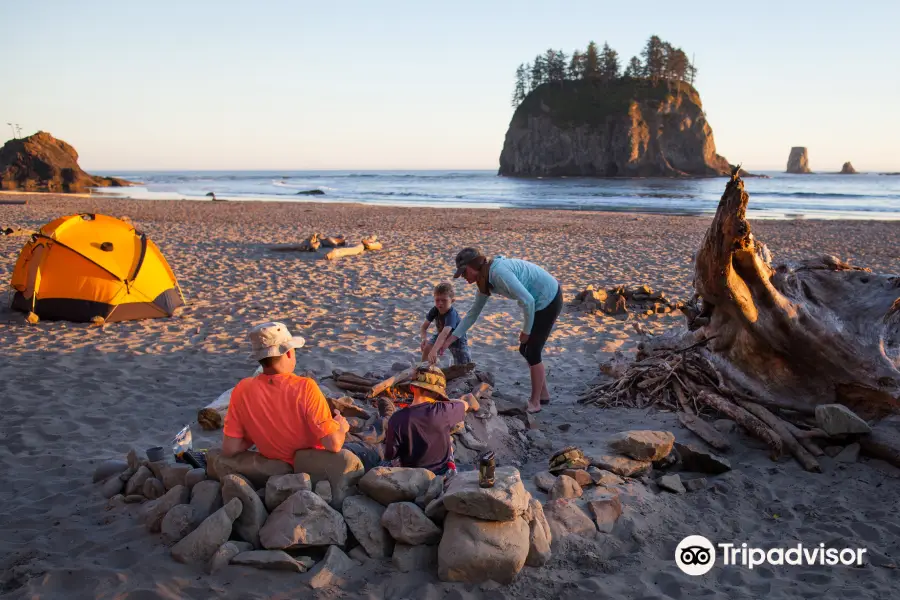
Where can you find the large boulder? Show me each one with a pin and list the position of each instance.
(837, 419)
(175, 474)
(395, 484)
(282, 487)
(473, 550)
(178, 522)
(109, 468)
(407, 524)
(252, 465)
(414, 558)
(606, 508)
(301, 521)
(544, 481)
(254, 513)
(363, 517)
(152, 512)
(540, 537)
(566, 518)
(503, 502)
(42, 163)
(200, 545)
(193, 477)
(565, 487)
(622, 465)
(135, 485)
(643, 444)
(798, 161)
(332, 569)
(153, 489)
(341, 470)
(206, 497)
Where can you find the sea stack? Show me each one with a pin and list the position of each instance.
(798, 161)
(42, 163)
(624, 128)
(848, 169)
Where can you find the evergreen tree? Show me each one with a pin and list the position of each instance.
(538, 71)
(634, 68)
(576, 65)
(609, 64)
(519, 91)
(654, 59)
(677, 64)
(556, 65)
(591, 62)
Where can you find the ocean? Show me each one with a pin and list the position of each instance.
(782, 196)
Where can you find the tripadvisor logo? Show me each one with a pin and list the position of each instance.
(696, 555)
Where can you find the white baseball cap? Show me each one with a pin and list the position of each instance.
(272, 339)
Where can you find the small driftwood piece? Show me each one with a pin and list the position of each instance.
(333, 241)
(372, 243)
(777, 425)
(391, 381)
(346, 251)
(704, 431)
(310, 244)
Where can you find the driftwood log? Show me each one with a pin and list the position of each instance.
(371, 243)
(345, 251)
(766, 344)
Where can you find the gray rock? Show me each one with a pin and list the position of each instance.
(565, 487)
(175, 474)
(408, 524)
(538, 439)
(606, 508)
(643, 444)
(127, 474)
(622, 465)
(579, 475)
(342, 470)
(671, 483)
(112, 486)
(850, 454)
(724, 425)
(157, 467)
(539, 537)
(282, 487)
(693, 485)
(503, 502)
(134, 499)
(332, 570)
(435, 489)
(395, 484)
(798, 161)
(254, 513)
(199, 546)
(193, 477)
(837, 419)
(436, 511)
(833, 451)
(225, 553)
(544, 481)
(602, 477)
(117, 501)
(153, 489)
(135, 485)
(301, 521)
(358, 553)
(409, 559)
(206, 497)
(178, 522)
(273, 560)
(363, 517)
(109, 468)
(566, 518)
(474, 551)
(255, 467)
(323, 491)
(153, 512)
(701, 461)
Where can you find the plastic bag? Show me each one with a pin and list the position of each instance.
(182, 442)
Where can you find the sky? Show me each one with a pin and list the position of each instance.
(419, 85)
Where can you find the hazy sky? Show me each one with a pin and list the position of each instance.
(352, 84)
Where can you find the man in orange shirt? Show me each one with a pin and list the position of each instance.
(277, 411)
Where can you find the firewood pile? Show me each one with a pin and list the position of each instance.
(337, 243)
(621, 300)
(797, 354)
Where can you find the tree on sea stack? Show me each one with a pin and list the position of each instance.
(769, 346)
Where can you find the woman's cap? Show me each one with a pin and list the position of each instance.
(463, 258)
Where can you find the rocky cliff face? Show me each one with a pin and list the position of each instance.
(42, 163)
(798, 161)
(623, 129)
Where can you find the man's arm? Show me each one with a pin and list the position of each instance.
(333, 442)
(232, 446)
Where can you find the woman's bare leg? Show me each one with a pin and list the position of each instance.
(538, 385)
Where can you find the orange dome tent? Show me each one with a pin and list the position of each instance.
(80, 267)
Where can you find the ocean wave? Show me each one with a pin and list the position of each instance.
(825, 195)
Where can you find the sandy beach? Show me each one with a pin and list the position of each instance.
(77, 394)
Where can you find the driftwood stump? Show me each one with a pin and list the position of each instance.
(767, 344)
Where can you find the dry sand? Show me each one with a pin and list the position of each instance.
(75, 394)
